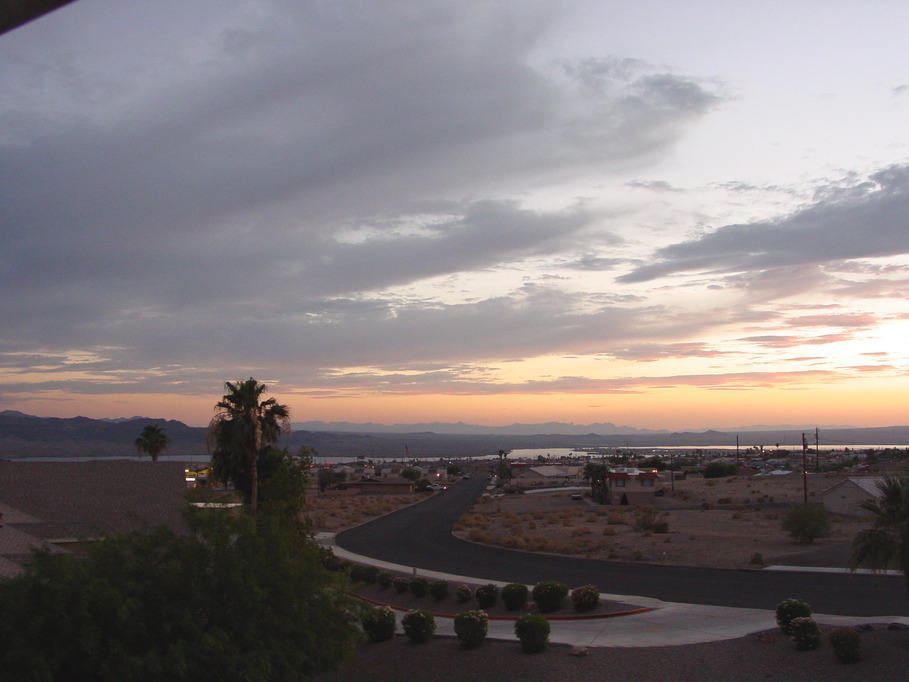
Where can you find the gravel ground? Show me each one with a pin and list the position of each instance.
(769, 657)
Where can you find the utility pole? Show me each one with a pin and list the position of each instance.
(805, 468)
(736, 452)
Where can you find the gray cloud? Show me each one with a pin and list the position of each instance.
(240, 188)
(866, 220)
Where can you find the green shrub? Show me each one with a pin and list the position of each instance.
(487, 595)
(533, 631)
(585, 598)
(384, 580)
(549, 595)
(719, 470)
(379, 623)
(846, 644)
(514, 596)
(419, 626)
(463, 594)
(361, 573)
(401, 584)
(804, 632)
(471, 627)
(644, 518)
(438, 589)
(419, 586)
(788, 610)
(806, 522)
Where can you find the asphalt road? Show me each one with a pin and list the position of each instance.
(420, 536)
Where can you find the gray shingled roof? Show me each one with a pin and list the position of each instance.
(54, 501)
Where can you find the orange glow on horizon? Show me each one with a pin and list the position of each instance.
(656, 408)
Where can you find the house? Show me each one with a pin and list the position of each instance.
(61, 505)
(548, 474)
(631, 486)
(378, 486)
(846, 496)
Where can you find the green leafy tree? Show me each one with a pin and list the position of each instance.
(242, 426)
(238, 599)
(283, 478)
(152, 441)
(411, 474)
(807, 522)
(886, 544)
(720, 470)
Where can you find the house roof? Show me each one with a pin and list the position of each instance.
(390, 480)
(44, 502)
(868, 484)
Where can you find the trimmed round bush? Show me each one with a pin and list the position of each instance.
(805, 633)
(419, 587)
(463, 594)
(379, 623)
(549, 595)
(514, 596)
(439, 589)
(384, 579)
(471, 628)
(418, 625)
(533, 631)
(401, 584)
(585, 598)
(789, 609)
(487, 595)
(846, 643)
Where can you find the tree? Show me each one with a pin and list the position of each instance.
(152, 441)
(806, 522)
(243, 425)
(597, 475)
(886, 544)
(720, 470)
(237, 599)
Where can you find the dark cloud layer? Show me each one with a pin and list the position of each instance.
(240, 188)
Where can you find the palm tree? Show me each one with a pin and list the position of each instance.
(242, 426)
(598, 476)
(152, 440)
(886, 544)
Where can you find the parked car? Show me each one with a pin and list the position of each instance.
(577, 496)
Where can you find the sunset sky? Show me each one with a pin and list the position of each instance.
(654, 213)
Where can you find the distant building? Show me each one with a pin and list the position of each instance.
(548, 474)
(632, 486)
(378, 486)
(847, 496)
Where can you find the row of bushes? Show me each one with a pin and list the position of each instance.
(471, 627)
(548, 595)
(794, 618)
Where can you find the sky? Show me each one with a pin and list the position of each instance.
(646, 212)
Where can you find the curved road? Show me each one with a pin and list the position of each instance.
(420, 536)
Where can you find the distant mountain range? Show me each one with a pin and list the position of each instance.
(460, 428)
(23, 435)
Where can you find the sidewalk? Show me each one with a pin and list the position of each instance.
(667, 624)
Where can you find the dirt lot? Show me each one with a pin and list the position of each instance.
(335, 512)
(725, 523)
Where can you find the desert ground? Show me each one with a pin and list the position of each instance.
(732, 522)
(716, 522)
